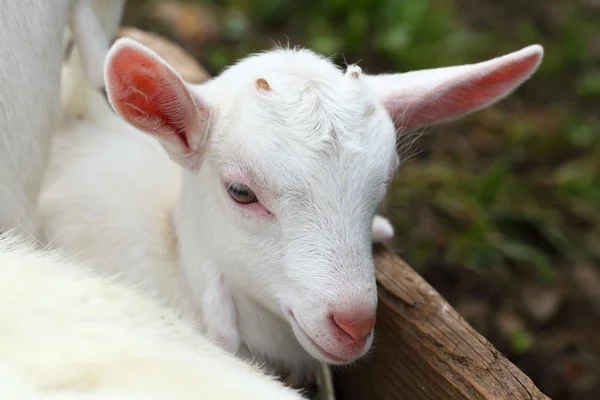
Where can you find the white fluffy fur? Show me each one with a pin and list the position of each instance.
(66, 333)
(109, 14)
(318, 148)
(31, 52)
(382, 229)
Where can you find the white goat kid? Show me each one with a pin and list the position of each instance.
(263, 230)
(66, 333)
(31, 56)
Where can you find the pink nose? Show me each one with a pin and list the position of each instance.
(356, 326)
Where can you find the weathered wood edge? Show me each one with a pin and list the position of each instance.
(425, 350)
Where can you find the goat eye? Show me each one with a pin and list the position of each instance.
(240, 193)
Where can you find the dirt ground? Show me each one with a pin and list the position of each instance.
(551, 333)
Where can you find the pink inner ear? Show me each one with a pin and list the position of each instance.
(150, 96)
(475, 91)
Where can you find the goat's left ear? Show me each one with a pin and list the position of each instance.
(428, 97)
(149, 94)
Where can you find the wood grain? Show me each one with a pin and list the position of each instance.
(424, 350)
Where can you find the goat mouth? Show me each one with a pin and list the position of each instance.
(323, 352)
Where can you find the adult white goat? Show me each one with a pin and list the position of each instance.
(66, 333)
(31, 57)
(261, 227)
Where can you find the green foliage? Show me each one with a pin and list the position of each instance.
(521, 342)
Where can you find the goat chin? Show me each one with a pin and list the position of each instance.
(66, 333)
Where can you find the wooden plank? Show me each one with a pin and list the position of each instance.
(425, 350)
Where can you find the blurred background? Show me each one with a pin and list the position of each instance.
(499, 211)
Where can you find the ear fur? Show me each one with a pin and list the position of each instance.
(429, 97)
(149, 94)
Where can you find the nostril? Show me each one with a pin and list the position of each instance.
(356, 328)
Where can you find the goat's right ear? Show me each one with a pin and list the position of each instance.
(149, 94)
(432, 96)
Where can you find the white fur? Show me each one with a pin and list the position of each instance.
(66, 333)
(109, 14)
(318, 148)
(382, 229)
(31, 52)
